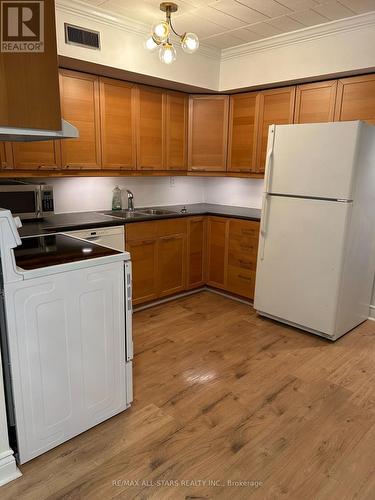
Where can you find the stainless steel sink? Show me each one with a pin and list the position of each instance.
(155, 211)
(123, 214)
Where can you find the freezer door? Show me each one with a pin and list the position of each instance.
(314, 160)
(300, 258)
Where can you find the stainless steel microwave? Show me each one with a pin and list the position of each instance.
(28, 201)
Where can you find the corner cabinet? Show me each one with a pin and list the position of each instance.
(150, 128)
(118, 124)
(242, 135)
(315, 102)
(276, 107)
(176, 113)
(356, 99)
(79, 93)
(208, 133)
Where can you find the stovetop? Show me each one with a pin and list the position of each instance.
(51, 250)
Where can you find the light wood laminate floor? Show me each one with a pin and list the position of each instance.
(223, 395)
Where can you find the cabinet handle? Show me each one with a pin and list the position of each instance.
(247, 247)
(244, 277)
(147, 242)
(246, 262)
(198, 169)
(249, 232)
(167, 238)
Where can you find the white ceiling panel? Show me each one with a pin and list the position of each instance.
(309, 18)
(285, 24)
(240, 11)
(359, 6)
(333, 10)
(227, 23)
(221, 18)
(269, 8)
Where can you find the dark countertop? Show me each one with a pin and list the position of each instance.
(86, 220)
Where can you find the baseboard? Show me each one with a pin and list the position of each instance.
(191, 292)
(372, 313)
(8, 468)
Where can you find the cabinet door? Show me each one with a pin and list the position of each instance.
(117, 124)
(44, 155)
(242, 132)
(150, 129)
(315, 102)
(242, 257)
(356, 99)
(217, 251)
(176, 131)
(144, 265)
(6, 156)
(80, 106)
(196, 252)
(172, 264)
(276, 107)
(208, 132)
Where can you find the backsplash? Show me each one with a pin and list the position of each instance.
(80, 194)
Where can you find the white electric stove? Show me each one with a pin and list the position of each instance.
(66, 336)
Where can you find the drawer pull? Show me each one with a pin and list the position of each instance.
(241, 276)
(167, 238)
(244, 262)
(147, 242)
(249, 232)
(198, 169)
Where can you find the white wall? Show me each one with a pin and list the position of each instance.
(80, 194)
(307, 53)
(123, 48)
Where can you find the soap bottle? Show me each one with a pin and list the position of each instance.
(116, 199)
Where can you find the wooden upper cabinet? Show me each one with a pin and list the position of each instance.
(80, 106)
(208, 133)
(29, 85)
(150, 129)
(315, 102)
(6, 156)
(242, 132)
(176, 130)
(356, 99)
(276, 106)
(44, 155)
(117, 124)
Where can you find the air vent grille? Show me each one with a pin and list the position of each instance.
(74, 35)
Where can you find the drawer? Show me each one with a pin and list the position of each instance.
(171, 226)
(241, 281)
(141, 230)
(242, 259)
(243, 229)
(243, 245)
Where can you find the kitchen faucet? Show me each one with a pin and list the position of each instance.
(130, 200)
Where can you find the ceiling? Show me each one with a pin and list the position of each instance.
(228, 23)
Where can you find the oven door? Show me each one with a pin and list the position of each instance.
(23, 201)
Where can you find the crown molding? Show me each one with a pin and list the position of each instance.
(98, 15)
(303, 35)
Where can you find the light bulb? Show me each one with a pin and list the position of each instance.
(189, 42)
(160, 31)
(167, 53)
(150, 43)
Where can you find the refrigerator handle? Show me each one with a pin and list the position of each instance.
(271, 142)
(263, 226)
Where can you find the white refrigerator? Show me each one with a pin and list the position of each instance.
(316, 263)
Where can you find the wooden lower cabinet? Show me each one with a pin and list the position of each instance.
(242, 257)
(217, 251)
(174, 255)
(196, 252)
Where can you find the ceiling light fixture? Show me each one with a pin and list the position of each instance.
(161, 36)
